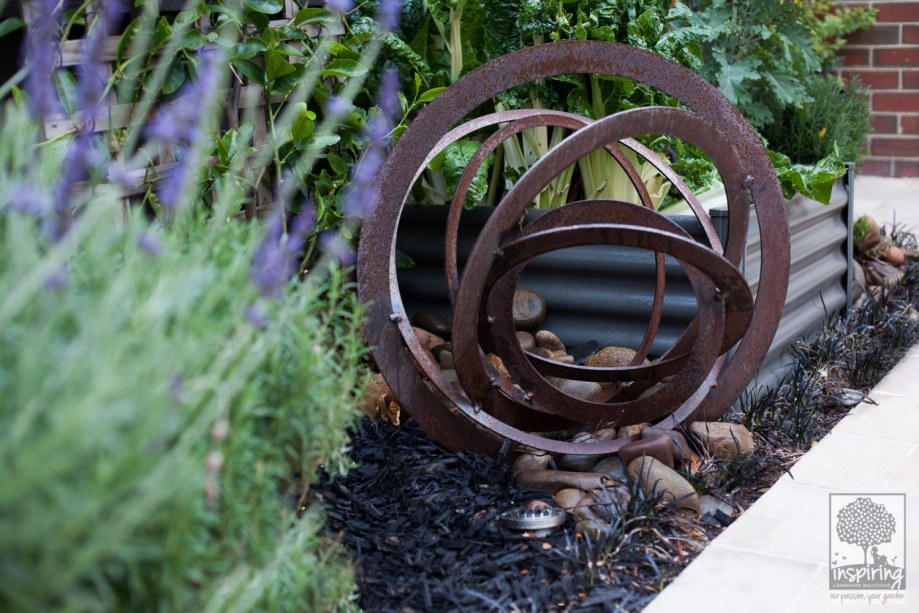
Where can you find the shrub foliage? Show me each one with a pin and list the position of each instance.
(160, 419)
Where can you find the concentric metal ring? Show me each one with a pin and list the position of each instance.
(484, 416)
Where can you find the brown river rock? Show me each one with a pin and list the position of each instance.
(529, 309)
(659, 447)
(553, 481)
(657, 479)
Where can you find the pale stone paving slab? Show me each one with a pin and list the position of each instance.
(775, 556)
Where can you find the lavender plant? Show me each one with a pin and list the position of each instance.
(168, 386)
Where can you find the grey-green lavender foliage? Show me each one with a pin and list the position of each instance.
(158, 439)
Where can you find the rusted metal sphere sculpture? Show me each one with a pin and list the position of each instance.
(489, 413)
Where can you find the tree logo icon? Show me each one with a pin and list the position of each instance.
(874, 524)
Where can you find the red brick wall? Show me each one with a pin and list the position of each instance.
(886, 57)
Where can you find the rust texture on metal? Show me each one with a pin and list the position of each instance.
(693, 379)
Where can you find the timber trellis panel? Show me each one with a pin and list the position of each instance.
(248, 99)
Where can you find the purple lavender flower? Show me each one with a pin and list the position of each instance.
(171, 187)
(117, 175)
(40, 50)
(257, 316)
(93, 73)
(180, 123)
(336, 107)
(339, 6)
(388, 94)
(26, 200)
(149, 243)
(389, 14)
(356, 197)
(275, 259)
(83, 156)
(337, 246)
(56, 281)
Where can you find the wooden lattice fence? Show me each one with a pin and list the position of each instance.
(245, 102)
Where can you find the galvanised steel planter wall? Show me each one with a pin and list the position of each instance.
(820, 279)
(605, 293)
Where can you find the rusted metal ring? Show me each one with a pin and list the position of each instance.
(446, 413)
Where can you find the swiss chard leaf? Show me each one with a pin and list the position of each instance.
(456, 158)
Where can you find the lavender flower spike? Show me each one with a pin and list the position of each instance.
(376, 134)
(40, 52)
(339, 6)
(180, 124)
(389, 14)
(273, 263)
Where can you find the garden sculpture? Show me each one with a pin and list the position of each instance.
(494, 415)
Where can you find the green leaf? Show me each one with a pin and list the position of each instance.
(10, 24)
(162, 32)
(251, 70)
(403, 260)
(815, 182)
(249, 48)
(304, 124)
(337, 163)
(456, 159)
(732, 76)
(257, 19)
(127, 38)
(276, 65)
(343, 68)
(287, 49)
(786, 88)
(430, 94)
(195, 39)
(175, 78)
(267, 7)
(312, 15)
(403, 54)
(286, 84)
(325, 140)
(67, 90)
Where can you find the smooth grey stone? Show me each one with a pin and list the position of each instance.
(613, 467)
(710, 504)
(595, 530)
(433, 322)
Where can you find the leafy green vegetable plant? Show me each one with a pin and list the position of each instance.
(837, 116)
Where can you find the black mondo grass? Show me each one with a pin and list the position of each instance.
(421, 523)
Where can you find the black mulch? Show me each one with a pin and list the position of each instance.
(421, 524)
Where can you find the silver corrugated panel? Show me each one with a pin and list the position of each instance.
(594, 293)
(605, 293)
(819, 280)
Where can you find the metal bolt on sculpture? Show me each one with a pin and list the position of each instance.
(488, 414)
